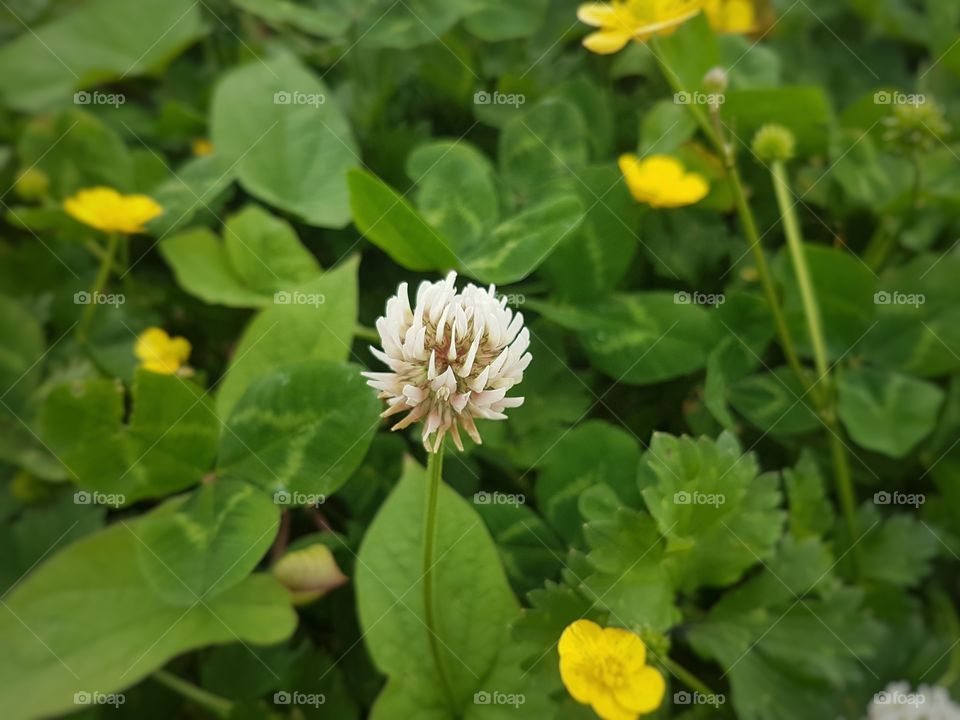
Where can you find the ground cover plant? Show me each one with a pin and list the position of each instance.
(480, 359)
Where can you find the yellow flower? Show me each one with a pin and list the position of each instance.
(105, 209)
(624, 20)
(201, 147)
(661, 181)
(731, 16)
(606, 669)
(160, 353)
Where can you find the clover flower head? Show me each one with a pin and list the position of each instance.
(606, 669)
(106, 209)
(452, 356)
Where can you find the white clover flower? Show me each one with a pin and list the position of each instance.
(452, 359)
(899, 702)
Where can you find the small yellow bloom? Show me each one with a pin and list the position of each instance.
(201, 147)
(661, 181)
(606, 669)
(736, 17)
(105, 209)
(160, 353)
(624, 20)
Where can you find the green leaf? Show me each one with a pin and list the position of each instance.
(775, 402)
(388, 24)
(665, 128)
(810, 511)
(803, 110)
(689, 53)
(330, 19)
(301, 430)
(719, 516)
(474, 603)
(197, 547)
(455, 191)
(387, 220)
(198, 187)
(168, 444)
(94, 43)
(119, 629)
(21, 349)
(887, 412)
(496, 20)
(593, 453)
(899, 549)
(518, 245)
(314, 322)
(292, 144)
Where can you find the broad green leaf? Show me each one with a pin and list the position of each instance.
(720, 517)
(96, 42)
(301, 430)
(197, 188)
(327, 18)
(810, 511)
(689, 53)
(666, 127)
(75, 150)
(591, 261)
(899, 549)
(474, 603)
(496, 20)
(455, 191)
(517, 246)
(775, 402)
(593, 453)
(313, 322)
(197, 547)
(805, 111)
(291, 143)
(543, 149)
(119, 630)
(405, 25)
(168, 444)
(887, 412)
(387, 220)
(21, 350)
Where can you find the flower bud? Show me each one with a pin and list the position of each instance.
(715, 81)
(309, 573)
(774, 143)
(32, 185)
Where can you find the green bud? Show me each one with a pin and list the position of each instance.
(32, 185)
(309, 573)
(774, 143)
(918, 126)
(715, 81)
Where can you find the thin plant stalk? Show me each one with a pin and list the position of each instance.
(106, 264)
(217, 705)
(434, 478)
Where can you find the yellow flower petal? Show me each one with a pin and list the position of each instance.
(626, 645)
(579, 638)
(606, 42)
(643, 692)
(578, 679)
(106, 209)
(605, 705)
(597, 14)
(731, 16)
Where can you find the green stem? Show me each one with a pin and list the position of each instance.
(434, 478)
(106, 263)
(214, 703)
(747, 221)
(824, 397)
